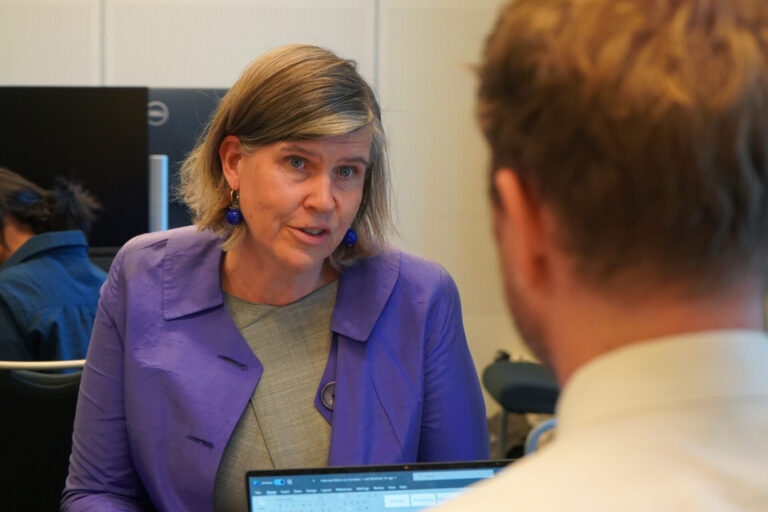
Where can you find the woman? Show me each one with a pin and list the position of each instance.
(48, 287)
(279, 332)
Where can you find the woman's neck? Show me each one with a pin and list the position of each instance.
(248, 280)
(15, 234)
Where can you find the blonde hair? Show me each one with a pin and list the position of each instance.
(295, 92)
(642, 124)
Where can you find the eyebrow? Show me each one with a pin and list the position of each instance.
(300, 149)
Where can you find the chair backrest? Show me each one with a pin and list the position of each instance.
(521, 386)
(36, 434)
(42, 365)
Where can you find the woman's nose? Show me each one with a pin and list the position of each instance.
(320, 194)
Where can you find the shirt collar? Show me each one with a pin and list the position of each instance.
(665, 373)
(45, 242)
(192, 283)
(363, 292)
(191, 275)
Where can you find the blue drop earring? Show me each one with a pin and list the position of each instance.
(234, 215)
(350, 238)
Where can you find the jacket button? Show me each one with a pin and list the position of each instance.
(328, 395)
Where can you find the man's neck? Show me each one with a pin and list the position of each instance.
(588, 325)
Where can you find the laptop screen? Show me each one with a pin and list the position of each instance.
(405, 487)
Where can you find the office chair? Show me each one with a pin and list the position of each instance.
(36, 432)
(519, 387)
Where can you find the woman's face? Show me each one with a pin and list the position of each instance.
(298, 198)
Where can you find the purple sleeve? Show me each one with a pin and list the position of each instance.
(454, 425)
(102, 476)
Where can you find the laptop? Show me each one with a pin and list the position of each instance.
(396, 488)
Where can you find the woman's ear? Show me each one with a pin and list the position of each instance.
(230, 153)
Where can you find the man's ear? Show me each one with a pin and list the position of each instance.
(520, 229)
(230, 153)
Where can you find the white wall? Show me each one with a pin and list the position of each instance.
(206, 43)
(417, 53)
(50, 42)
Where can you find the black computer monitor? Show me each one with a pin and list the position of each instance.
(95, 136)
(176, 118)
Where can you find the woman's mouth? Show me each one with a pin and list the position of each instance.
(313, 231)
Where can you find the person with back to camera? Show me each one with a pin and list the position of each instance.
(270, 335)
(48, 287)
(629, 149)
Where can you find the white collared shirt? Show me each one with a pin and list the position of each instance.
(672, 424)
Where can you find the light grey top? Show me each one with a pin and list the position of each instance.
(281, 428)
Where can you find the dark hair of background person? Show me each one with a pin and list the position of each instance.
(647, 140)
(65, 207)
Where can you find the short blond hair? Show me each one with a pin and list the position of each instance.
(643, 125)
(295, 92)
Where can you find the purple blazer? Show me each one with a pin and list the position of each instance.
(168, 375)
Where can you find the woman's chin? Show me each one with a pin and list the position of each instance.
(303, 263)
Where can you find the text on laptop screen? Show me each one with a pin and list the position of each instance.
(402, 489)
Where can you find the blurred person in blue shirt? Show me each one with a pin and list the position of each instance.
(48, 287)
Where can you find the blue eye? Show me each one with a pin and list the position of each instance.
(346, 172)
(297, 162)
